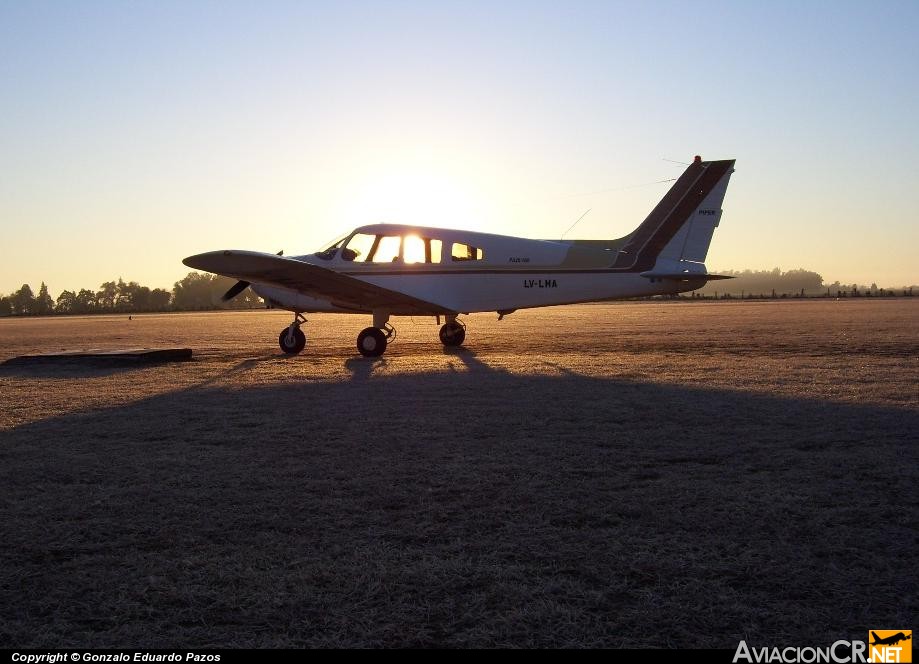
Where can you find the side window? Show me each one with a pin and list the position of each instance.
(436, 248)
(465, 252)
(413, 249)
(421, 249)
(387, 250)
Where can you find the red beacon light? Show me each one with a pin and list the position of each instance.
(697, 160)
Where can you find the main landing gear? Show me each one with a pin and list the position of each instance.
(453, 333)
(372, 341)
(292, 340)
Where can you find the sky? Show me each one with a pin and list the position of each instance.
(133, 134)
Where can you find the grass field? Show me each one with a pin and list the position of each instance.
(686, 474)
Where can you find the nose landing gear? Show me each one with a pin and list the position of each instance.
(292, 340)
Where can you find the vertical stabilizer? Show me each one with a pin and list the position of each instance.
(676, 235)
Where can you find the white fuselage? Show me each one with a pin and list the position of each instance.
(473, 289)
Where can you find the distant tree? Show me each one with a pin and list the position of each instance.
(43, 303)
(195, 291)
(128, 296)
(66, 302)
(804, 280)
(85, 302)
(123, 293)
(105, 296)
(159, 299)
(140, 297)
(23, 300)
(6, 307)
(768, 281)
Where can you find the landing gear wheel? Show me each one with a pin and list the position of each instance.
(453, 333)
(292, 341)
(371, 342)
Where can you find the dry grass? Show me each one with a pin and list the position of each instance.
(622, 475)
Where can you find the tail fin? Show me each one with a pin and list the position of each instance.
(676, 235)
(875, 637)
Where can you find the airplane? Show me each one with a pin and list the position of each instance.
(398, 270)
(890, 640)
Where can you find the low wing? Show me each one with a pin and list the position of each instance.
(310, 280)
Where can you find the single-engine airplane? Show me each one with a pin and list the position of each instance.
(394, 270)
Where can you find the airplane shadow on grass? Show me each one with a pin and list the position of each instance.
(465, 508)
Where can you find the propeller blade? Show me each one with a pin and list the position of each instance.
(240, 286)
(235, 290)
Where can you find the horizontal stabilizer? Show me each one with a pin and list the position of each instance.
(685, 276)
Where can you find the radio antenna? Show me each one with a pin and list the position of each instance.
(575, 223)
(631, 186)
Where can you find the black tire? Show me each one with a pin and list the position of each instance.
(371, 342)
(292, 344)
(452, 334)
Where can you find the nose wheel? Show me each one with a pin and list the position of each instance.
(453, 333)
(292, 340)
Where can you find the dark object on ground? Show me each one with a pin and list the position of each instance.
(96, 357)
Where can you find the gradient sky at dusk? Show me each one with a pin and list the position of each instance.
(134, 134)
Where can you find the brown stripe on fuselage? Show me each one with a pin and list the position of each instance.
(687, 193)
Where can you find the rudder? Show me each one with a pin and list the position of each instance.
(680, 227)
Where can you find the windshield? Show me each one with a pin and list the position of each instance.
(329, 252)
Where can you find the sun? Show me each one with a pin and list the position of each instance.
(415, 197)
(413, 249)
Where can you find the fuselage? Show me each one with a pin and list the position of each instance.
(472, 272)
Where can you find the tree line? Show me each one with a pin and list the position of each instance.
(796, 283)
(196, 292)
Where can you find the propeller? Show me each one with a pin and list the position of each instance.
(240, 286)
(235, 290)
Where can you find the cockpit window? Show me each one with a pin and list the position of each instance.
(329, 253)
(465, 252)
(359, 247)
(363, 248)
